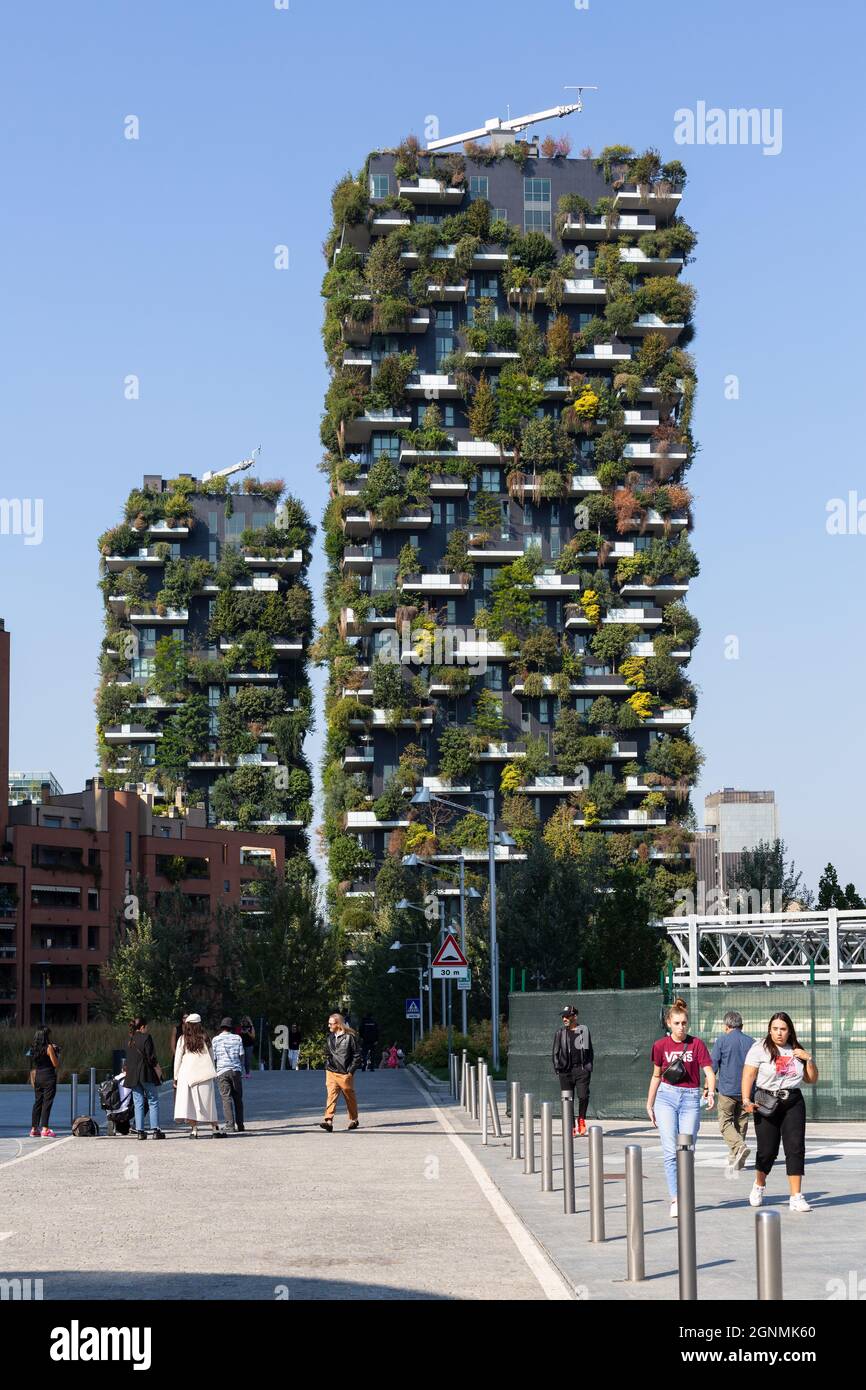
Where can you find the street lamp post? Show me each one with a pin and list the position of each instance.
(397, 970)
(404, 905)
(423, 797)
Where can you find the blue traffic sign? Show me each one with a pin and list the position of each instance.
(413, 1008)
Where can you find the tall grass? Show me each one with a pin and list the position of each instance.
(82, 1046)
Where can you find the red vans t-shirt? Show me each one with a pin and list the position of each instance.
(695, 1057)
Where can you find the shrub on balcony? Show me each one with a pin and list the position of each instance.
(633, 670)
(589, 602)
(477, 339)
(388, 388)
(613, 640)
(681, 624)
(641, 702)
(629, 569)
(666, 296)
(519, 819)
(534, 251)
(455, 755)
(469, 832)
(486, 720)
(389, 691)
(503, 334)
(513, 777)
(572, 207)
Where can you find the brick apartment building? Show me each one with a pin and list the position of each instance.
(67, 866)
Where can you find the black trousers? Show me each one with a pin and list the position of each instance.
(368, 1056)
(577, 1083)
(44, 1089)
(786, 1125)
(231, 1089)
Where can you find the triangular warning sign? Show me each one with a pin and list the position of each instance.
(449, 953)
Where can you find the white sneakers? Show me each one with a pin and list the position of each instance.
(756, 1196)
(798, 1202)
(674, 1210)
(739, 1160)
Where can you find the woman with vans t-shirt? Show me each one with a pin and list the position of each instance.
(777, 1068)
(674, 1100)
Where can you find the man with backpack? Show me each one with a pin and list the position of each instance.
(572, 1062)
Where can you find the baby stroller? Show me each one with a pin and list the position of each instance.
(116, 1100)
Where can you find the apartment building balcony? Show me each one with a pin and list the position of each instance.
(664, 589)
(367, 820)
(353, 625)
(471, 653)
(495, 357)
(632, 197)
(433, 386)
(604, 355)
(626, 749)
(500, 753)
(431, 191)
(154, 702)
(652, 265)
(358, 357)
(669, 719)
(381, 718)
(647, 451)
(641, 419)
(211, 764)
(292, 561)
(497, 548)
(448, 485)
(551, 784)
(359, 757)
(144, 558)
(632, 819)
(635, 784)
(383, 223)
(436, 584)
(556, 584)
(360, 429)
(646, 649)
(588, 685)
(655, 522)
(356, 523)
(280, 646)
(358, 331)
(167, 530)
(443, 787)
(653, 323)
(485, 258)
(358, 888)
(582, 484)
(260, 677)
(358, 559)
(647, 616)
(130, 733)
(173, 617)
(582, 290)
(596, 228)
(447, 293)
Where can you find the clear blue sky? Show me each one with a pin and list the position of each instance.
(155, 257)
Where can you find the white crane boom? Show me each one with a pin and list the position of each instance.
(233, 468)
(517, 123)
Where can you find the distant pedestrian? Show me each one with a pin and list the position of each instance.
(728, 1055)
(44, 1063)
(143, 1077)
(777, 1068)
(295, 1040)
(368, 1033)
(674, 1099)
(392, 1062)
(248, 1038)
(194, 1075)
(342, 1060)
(228, 1060)
(572, 1061)
(386, 1054)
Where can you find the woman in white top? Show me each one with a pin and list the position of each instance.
(194, 1073)
(777, 1068)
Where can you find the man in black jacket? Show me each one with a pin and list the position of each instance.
(572, 1062)
(342, 1060)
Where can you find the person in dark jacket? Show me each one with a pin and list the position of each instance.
(44, 1063)
(342, 1060)
(572, 1062)
(369, 1036)
(143, 1077)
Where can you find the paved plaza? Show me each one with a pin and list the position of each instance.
(411, 1206)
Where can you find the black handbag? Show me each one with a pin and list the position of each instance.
(675, 1071)
(767, 1102)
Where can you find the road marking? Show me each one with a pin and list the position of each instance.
(34, 1153)
(553, 1284)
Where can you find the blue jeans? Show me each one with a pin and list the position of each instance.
(677, 1111)
(151, 1090)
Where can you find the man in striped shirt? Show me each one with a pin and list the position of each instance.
(228, 1058)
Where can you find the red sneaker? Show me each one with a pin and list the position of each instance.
(581, 1127)
(34, 1134)
(48, 1134)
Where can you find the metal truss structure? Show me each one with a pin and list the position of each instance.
(770, 947)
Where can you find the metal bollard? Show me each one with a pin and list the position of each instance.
(73, 1098)
(634, 1212)
(768, 1255)
(528, 1132)
(515, 1119)
(568, 1153)
(482, 1099)
(546, 1146)
(494, 1108)
(476, 1091)
(473, 1077)
(686, 1239)
(463, 1081)
(91, 1106)
(596, 1184)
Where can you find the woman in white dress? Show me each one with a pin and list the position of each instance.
(194, 1073)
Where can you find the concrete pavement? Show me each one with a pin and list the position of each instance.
(398, 1209)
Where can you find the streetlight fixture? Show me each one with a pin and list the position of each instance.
(424, 797)
(404, 905)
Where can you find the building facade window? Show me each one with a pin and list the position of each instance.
(536, 205)
(380, 185)
(478, 185)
